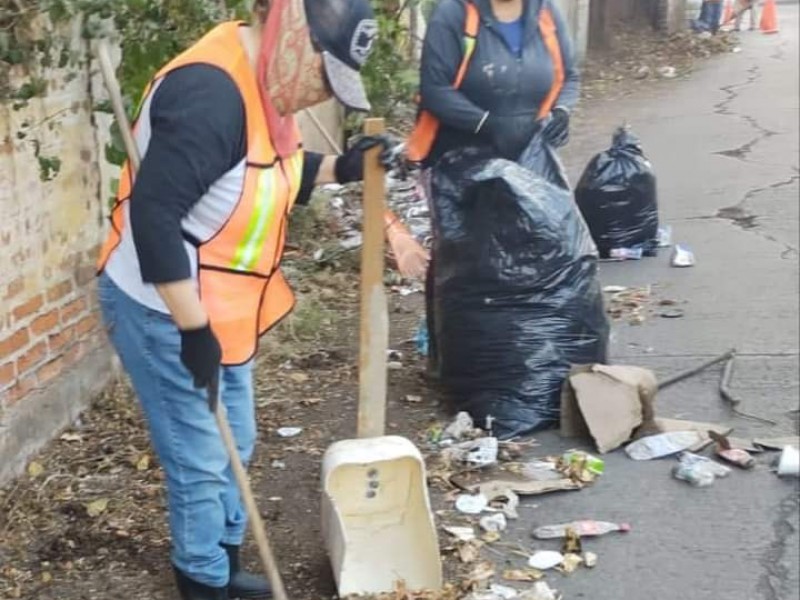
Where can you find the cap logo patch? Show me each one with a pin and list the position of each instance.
(363, 39)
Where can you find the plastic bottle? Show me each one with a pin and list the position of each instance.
(582, 528)
(626, 253)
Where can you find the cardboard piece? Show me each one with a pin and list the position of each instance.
(609, 403)
(778, 443)
(496, 487)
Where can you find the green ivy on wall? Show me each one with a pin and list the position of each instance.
(151, 33)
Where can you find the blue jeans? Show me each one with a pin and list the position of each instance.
(205, 509)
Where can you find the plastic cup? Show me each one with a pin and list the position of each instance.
(789, 465)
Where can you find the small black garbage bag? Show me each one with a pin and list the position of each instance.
(617, 196)
(516, 300)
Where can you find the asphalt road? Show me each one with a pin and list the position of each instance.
(724, 143)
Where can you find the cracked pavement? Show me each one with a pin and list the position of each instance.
(724, 143)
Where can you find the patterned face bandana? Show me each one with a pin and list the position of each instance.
(290, 72)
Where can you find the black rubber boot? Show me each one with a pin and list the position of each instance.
(244, 585)
(192, 590)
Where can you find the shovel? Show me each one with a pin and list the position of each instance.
(377, 522)
(253, 514)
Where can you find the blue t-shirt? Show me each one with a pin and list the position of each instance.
(512, 33)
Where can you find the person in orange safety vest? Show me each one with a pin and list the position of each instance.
(190, 276)
(493, 73)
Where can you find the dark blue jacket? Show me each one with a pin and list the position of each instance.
(497, 80)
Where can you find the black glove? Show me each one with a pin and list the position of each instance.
(556, 132)
(350, 165)
(510, 135)
(201, 354)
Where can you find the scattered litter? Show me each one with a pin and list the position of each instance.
(462, 534)
(522, 575)
(675, 313)
(540, 591)
(642, 72)
(682, 257)
(545, 560)
(663, 425)
(470, 504)
(478, 453)
(394, 365)
(289, 432)
(663, 444)
(352, 242)
(581, 528)
(469, 552)
(698, 471)
(461, 427)
(498, 487)
(413, 399)
(614, 289)
(667, 72)
(736, 49)
(665, 236)
(278, 464)
(735, 456)
(71, 437)
(583, 460)
(572, 542)
(494, 523)
(571, 563)
(540, 470)
(501, 498)
(298, 377)
(421, 340)
(590, 560)
(789, 465)
(394, 355)
(505, 592)
(626, 254)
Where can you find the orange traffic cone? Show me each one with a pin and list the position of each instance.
(769, 17)
(729, 14)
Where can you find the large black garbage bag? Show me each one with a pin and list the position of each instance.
(516, 300)
(617, 196)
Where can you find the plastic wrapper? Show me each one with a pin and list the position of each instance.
(516, 300)
(617, 196)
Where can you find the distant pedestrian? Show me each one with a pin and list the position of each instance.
(743, 6)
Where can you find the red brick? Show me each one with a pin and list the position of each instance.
(16, 341)
(20, 389)
(59, 291)
(50, 370)
(7, 374)
(45, 323)
(15, 288)
(28, 308)
(87, 325)
(32, 357)
(58, 341)
(73, 310)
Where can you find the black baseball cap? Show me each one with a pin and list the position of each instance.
(344, 31)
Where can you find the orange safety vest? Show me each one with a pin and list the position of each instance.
(424, 135)
(239, 278)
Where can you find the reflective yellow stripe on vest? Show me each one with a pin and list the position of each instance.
(264, 212)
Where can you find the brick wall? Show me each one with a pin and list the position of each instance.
(52, 354)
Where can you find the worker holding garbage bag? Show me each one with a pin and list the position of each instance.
(497, 84)
(190, 273)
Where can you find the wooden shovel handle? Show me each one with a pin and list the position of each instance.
(374, 325)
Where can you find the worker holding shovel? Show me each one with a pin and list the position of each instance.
(190, 273)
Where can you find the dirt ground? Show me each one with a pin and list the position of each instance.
(87, 521)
